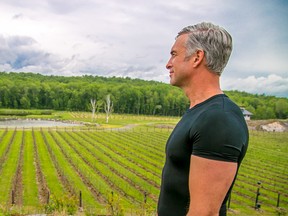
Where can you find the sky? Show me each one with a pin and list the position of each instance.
(133, 38)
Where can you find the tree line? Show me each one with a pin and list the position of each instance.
(129, 96)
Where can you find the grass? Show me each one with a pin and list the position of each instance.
(20, 113)
(129, 162)
(4, 145)
(29, 173)
(115, 120)
(266, 162)
(9, 169)
(49, 171)
(114, 166)
(70, 172)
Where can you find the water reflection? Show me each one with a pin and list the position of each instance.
(28, 123)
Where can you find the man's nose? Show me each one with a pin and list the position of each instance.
(168, 65)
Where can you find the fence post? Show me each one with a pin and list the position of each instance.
(278, 200)
(145, 197)
(257, 204)
(80, 199)
(13, 197)
(48, 197)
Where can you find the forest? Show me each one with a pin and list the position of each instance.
(129, 96)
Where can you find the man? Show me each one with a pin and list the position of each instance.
(204, 151)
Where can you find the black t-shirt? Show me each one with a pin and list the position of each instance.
(214, 129)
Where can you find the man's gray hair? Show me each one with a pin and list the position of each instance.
(214, 40)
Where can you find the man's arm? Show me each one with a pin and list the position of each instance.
(209, 181)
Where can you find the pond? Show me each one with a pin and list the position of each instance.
(29, 123)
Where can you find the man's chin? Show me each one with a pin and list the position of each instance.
(172, 82)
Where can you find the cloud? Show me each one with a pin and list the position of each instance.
(270, 85)
(14, 49)
(22, 53)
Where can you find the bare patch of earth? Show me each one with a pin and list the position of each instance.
(268, 125)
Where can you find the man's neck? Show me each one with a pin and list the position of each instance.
(201, 97)
(202, 88)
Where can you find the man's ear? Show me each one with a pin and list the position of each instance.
(198, 58)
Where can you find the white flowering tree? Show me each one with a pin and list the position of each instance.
(108, 106)
(93, 106)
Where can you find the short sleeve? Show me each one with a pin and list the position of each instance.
(218, 135)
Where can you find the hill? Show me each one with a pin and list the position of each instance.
(129, 96)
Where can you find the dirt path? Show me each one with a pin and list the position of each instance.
(18, 184)
(40, 179)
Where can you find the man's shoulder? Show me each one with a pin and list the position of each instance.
(221, 109)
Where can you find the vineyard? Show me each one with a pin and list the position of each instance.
(106, 172)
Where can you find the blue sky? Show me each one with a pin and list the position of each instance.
(133, 38)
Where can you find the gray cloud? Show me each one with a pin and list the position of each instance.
(133, 38)
(14, 50)
(276, 85)
(23, 54)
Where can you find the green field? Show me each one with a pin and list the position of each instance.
(119, 168)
